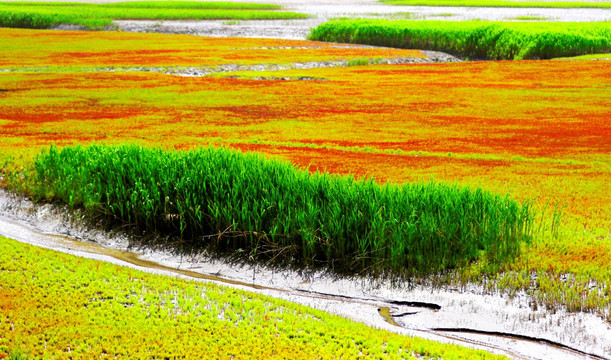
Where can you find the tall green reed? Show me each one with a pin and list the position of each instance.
(474, 39)
(229, 201)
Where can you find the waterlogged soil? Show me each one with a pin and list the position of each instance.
(469, 316)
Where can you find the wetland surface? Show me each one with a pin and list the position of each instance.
(470, 316)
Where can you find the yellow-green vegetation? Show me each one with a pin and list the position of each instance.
(39, 15)
(588, 57)
(58, 306)
(232, 201)
(475, 39)
(528, 18)
(503, 3)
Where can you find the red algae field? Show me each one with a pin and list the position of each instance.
(538, 130)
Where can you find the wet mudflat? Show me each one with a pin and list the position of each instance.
(470, 316)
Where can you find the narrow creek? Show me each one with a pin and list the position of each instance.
(468, 316)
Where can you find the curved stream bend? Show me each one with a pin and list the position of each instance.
(470, 317)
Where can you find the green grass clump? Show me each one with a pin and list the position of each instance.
(502, 3)
(38, 15)
(474, 39)
(59, 306)
(38, 20)
(266, 208)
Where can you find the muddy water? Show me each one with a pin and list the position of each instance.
(468, 316)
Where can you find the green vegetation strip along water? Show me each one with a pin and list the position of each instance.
(97, 16)
(59, 306)
(474, 39)
(243, 203)
(502, 3)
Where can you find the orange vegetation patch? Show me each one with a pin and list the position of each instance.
(77, 48)
(560, 111)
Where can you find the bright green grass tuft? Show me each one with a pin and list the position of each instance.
(97, 16)
(502, 3)
(232, 202)
(474, 39)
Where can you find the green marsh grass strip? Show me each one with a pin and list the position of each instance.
(230, 201)
(97, 16)
(192, 5)
(587, 57)
(152, 4)
(502, 3)
(474, 39)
